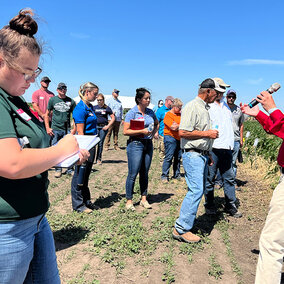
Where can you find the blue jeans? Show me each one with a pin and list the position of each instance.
(237, 146)
(222, 159)
(81, 194)
(58, 134)
(172, 151)
(196, 167)
(27, 252)
(139, 155)
(102, 135)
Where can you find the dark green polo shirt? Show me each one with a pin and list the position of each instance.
(61, 111)
(22, 198)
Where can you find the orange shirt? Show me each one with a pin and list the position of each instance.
(168, 121)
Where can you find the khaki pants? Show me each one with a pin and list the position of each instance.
(271, 243)
(114, 128)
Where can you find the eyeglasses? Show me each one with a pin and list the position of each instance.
(63, 88)
(28, 75)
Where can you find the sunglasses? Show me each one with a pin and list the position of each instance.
(99, 100)
(62, 88)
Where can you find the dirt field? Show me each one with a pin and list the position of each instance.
(114, 246)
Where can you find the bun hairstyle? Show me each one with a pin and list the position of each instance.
(86, 87)
(140, 92)
(18, 34)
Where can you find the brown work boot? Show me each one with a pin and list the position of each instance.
(187, 237)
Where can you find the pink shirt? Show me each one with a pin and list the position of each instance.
(41, 98)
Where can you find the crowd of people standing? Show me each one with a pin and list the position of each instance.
(206, 134)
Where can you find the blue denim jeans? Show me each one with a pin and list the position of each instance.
(27, 252)
(172, 152)
(195, 167)
(139, 155)
(222, 159)
(58, 134)
(237, 146)
(81, 194)
(102, 135)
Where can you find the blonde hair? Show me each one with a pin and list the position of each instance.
(19, 34)
(177, 103)
(86, 87)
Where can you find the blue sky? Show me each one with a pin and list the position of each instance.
(166, 46)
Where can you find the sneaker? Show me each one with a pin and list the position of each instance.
(234, 212)
(210, 211)
(58, 174)
(92, 206)
(145, 204)
(187, 237)
(130, 207)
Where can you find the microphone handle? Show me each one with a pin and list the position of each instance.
(255, 102)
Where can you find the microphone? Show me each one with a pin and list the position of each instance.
(273, 88)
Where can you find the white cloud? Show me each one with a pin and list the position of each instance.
(256, 62)
(254, 81)
(79, 36)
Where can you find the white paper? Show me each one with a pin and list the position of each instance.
(85, 142)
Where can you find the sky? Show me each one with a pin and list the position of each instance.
(169, 47)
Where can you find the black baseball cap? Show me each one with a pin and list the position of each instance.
(45, 79)
(212, 84)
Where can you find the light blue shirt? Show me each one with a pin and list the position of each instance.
(161, 112)
(149, 117)
(116, 107)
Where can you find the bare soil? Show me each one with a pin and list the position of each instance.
(78, 263)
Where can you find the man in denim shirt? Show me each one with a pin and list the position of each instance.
(117, 109)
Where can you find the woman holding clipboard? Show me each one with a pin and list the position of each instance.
(140, 125)
(86, 124)
(27, 251)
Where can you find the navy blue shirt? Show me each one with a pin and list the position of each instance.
(84, 114)
(102, 114)
(149, 117)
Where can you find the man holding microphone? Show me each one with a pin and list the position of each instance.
(271, 243)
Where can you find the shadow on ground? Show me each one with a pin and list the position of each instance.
(114, 161)
(107, 202)
(68, 237)
(158, 198)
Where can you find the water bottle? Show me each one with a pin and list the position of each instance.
(81, 174)
(151, 127)
(215, 126)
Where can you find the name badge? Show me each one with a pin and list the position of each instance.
(41, 98)
(23, 115)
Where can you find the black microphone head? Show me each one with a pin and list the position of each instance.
(274, 88)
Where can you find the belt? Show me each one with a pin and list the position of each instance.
(202, 152)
